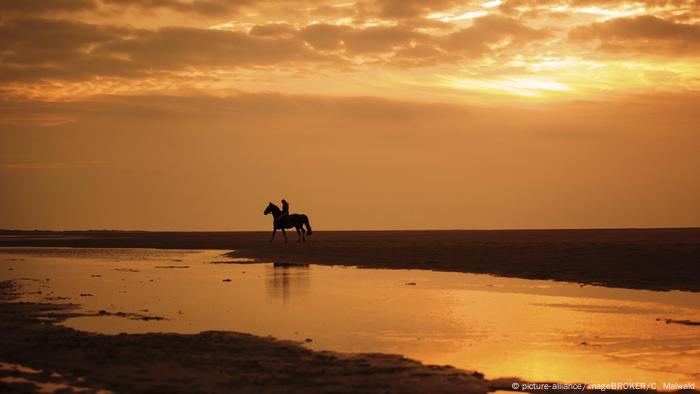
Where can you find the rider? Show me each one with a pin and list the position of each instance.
(285, 211)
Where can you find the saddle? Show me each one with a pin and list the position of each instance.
(284, 221)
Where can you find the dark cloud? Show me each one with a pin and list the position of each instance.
(33, 49)
(35, 7)
(273, 30)
(411, 8)
(324, 36)
(41, 41)
(373, 39)
(214, 8)
(208, 9)
(421, 55)
(48, 7)
(407, 42)
(643, 34)
(332, 11)
(492, 29)
(37, 48)
(379, 39)
(177, 47)
(47, 49)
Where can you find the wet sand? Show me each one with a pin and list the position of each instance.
(495, 325)
(655, 259)
(36, 352)
(39, 355)
(39, 352)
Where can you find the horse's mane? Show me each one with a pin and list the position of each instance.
(274, 208)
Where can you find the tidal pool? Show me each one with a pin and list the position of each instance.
(533, 329)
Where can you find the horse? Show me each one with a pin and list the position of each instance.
(295, 220)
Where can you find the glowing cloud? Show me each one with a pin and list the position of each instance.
(529, 87)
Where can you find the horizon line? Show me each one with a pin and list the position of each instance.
(363, 230)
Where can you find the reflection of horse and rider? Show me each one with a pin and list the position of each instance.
(282, 220)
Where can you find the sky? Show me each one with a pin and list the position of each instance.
(366, 114)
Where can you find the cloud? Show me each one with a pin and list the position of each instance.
(49, 7)
(24, 7)
(535, 8)
(273, 30)
(643, 34)
(43, 48)
(421, 55)
(324, 36)
(40, 41)
(379, 38)
(411, 8)
(136, 11)
(512, 4)
(359, 41)
(175, 48)
(215, 8)
(493, 30)
(405, 42)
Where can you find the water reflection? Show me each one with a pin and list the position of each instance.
(537, 330)
(285, 281)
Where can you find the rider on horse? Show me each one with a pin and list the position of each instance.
(285, 212)
(282, 219)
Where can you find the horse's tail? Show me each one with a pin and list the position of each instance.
(308, 225)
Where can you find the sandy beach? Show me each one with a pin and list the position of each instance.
(40, 355)
(655, 259)
(39, 350)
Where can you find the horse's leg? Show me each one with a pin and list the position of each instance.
(274, 231)
(285, 234)
(298, 235)
(303, 234)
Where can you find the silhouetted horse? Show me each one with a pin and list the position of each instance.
(295, 220)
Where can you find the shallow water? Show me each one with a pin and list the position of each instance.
(536, 330)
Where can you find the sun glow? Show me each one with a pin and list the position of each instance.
(611, 13)
(527, 87)
(491, 4)
(460, 17)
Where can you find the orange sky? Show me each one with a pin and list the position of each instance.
(369, 114)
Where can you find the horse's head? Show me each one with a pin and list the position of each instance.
(270, 208)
